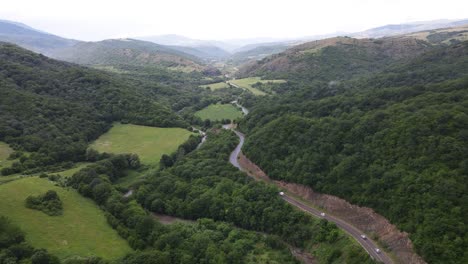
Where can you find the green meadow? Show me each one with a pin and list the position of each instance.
(150, 143)
(218, 112)
(5, 152)
(215, 86)
(82, 230)
(246, 83)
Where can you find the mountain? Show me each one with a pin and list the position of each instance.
(55, 108)
(31, 38)
(392, 138)
(128, 52)
(203, 52)
(229, 45)
(114, 52)
(441, 36)
(177, 40)
(257, 51)
(399, 29)
(335, 58)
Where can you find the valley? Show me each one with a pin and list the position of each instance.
(336, 148)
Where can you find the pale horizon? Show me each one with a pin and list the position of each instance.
(221, 20)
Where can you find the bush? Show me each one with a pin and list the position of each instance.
(48, 203)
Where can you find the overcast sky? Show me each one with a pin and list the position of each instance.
(220, 19)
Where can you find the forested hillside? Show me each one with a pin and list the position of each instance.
(203, 185)
(54, 108)
(335, 59)
(128, 52)
(395, 141)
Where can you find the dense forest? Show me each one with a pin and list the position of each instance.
(53, 109)
(381, 123)
(205, 241)
(203, 184)
(395, 142)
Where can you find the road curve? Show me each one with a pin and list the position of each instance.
(368, 244)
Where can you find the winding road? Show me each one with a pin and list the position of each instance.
(368, 244)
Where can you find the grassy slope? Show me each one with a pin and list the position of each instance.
(81, 230)
(247, 84)
(219, 111)
(150, 143)
(70, 172)
(5, 151)
(215, 86)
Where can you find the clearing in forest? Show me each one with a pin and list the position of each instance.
(247, 83)
(217, 112)
(82, 230)
(150, 143)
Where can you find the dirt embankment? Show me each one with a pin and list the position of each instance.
(303, 257)
(363, 218)
(167, 219)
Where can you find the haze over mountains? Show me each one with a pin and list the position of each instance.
(375, 121)
(239, 50)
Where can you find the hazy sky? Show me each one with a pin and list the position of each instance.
(220, 19)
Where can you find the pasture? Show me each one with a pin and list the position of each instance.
(246, 83)
(5, 152)
(216, 112)
(82, 230)
(150, 143)
(215, 86)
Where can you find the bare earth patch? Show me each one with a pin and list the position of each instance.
(167, 219)
(363, 218)
(304, 257)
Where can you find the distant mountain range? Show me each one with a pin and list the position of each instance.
(341, 57)
(180, 51)
(398, 29)
(128, 52)
(32, 39)
(115, 52)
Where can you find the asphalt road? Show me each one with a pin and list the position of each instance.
(368, 244)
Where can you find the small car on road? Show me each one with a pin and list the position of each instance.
(363, 237)
(281, 193)
(322, 214)
(377, 250)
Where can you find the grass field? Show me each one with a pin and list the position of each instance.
(219, 111)
(215, 86)
(9, 178)
(150, 143)
(5, 152)
(70, 172)
(81, 230)
(246, 83)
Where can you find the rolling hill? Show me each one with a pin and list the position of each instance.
(31, 38)
(128, 52)
(257, 51)
(334, 59)
(55, 109)
(206, 52)
(392, 139)
(399, 29)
